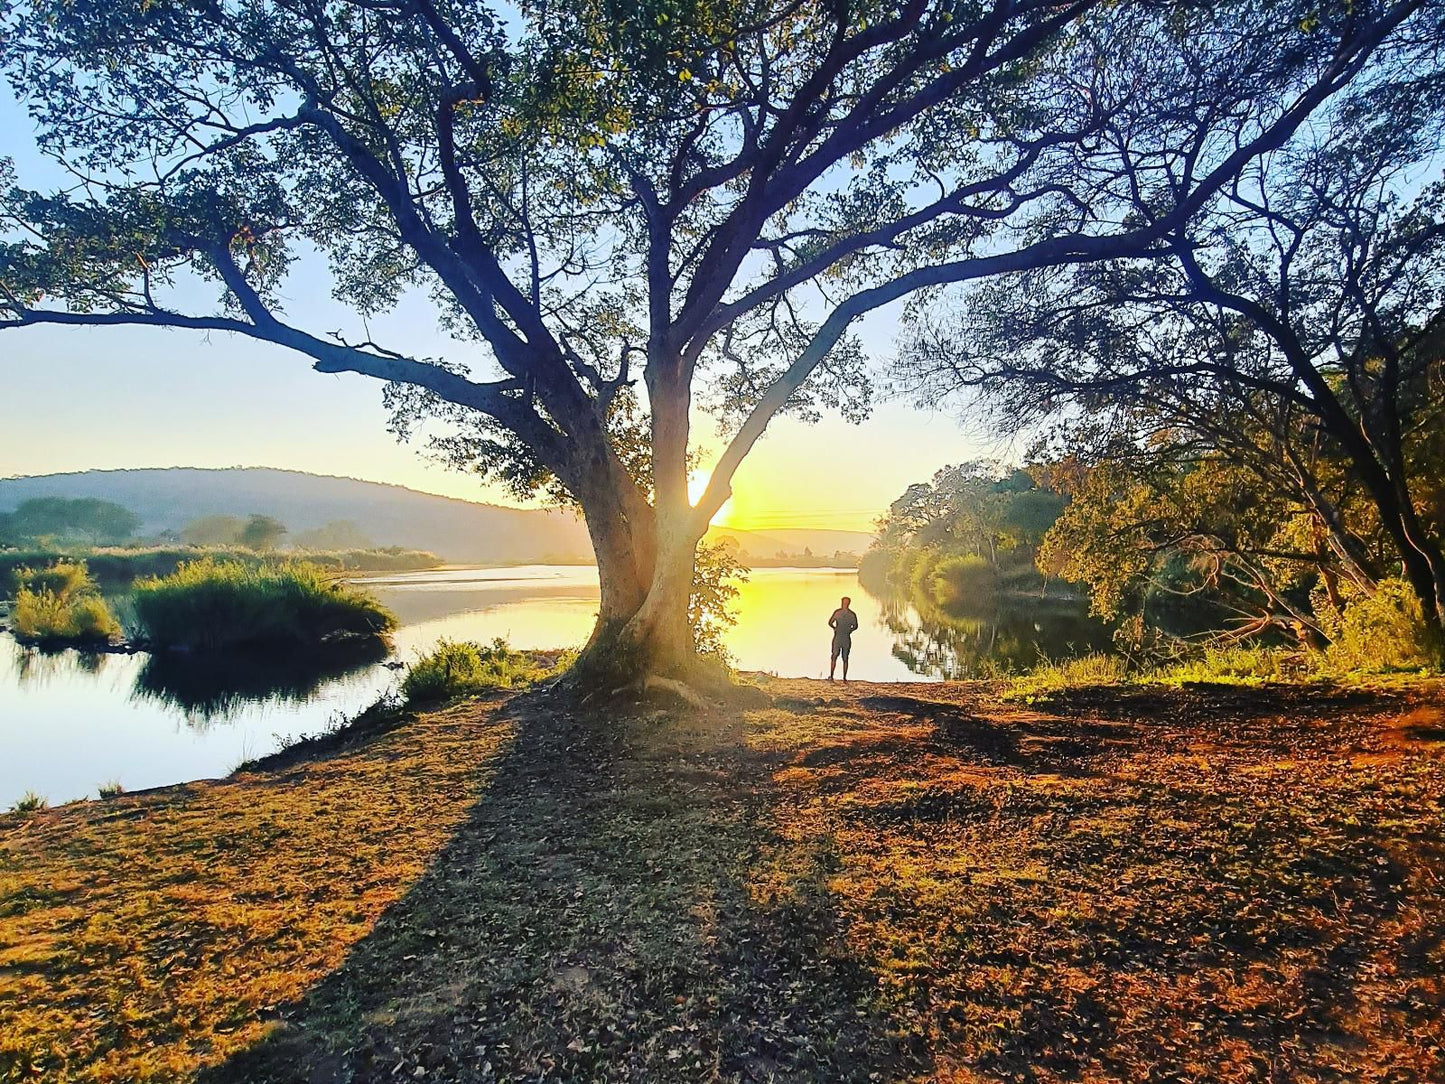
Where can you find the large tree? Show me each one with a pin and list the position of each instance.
(624, 211)
(1292, 330)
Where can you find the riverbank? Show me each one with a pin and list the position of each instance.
(880, 880)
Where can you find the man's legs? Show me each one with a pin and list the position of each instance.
(847, 649)
(833, 663)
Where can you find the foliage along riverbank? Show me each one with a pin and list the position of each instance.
(871, 881)
(206, 605)
(115, 568)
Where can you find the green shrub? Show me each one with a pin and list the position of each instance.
(1379, 632)
(113, 789)
(216, 604)
(962, 583)
(461, 668)
(60, 605)
(1241, 665)
(62, 578)
(29, 802)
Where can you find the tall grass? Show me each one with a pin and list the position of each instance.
(1085, 671)
(211, 604)
(62, 578)
(61, 605)
(116, 566)
(462, 668)
(1242, 665)
(29, 802)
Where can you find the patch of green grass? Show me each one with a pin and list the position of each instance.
(463, 668)
(29, 802)
(1085, 671)
(1240, 666)
(112, 789)
(118, 566)
(213, 605)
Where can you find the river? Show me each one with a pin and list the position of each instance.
(70, 722)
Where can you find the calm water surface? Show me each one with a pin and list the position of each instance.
(69, 722)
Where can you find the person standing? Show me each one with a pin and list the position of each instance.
(844, 623)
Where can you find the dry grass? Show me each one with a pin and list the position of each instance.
(146, 935)
(898, 882)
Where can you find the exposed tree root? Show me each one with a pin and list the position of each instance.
(680, 689)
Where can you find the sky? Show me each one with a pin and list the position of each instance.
(82, 398)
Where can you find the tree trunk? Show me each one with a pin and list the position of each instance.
(645, 566)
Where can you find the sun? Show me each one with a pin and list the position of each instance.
(696, 485)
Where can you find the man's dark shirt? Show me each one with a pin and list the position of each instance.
(843, 623)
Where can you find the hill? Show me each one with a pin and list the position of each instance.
(788, 541)
(167, 499)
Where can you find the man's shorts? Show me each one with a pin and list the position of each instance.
(842, 646)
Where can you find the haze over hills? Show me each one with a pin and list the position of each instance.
(461, 531)
(793, 541)
(167, 499)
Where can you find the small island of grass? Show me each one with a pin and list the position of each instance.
(211, 605)
(60, 606)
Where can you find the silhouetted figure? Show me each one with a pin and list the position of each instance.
(843, 623)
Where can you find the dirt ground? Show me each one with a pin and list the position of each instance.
(870, 882)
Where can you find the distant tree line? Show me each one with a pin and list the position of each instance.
(86, 519)
(59, 521)
(959, 539)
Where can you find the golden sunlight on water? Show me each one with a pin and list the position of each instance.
(782, 615)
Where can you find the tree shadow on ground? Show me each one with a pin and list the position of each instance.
(1030, 742)
(598, 917)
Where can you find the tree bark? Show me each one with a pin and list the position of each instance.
(645, 559)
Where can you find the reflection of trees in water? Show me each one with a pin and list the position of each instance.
(38, 666)
(1004, 635)
(212, 688)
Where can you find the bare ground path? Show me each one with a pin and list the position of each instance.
(888, 882)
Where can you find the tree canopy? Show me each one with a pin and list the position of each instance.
(1264, 391)
(85, 519)
(624, 213)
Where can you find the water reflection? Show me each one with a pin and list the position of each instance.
(37, 667)
(1002, 636)
(207, 690)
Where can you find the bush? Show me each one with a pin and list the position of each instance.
(113, 789)
(29, 802)
(63, 579)
(1241, 665)
(1383, 631)
(462, 668)
(60, 605)
(716, 572)
(212, 604)
(962, 583)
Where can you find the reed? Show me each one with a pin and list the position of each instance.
(211, 605)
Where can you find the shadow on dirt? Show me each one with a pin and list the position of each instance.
(598, 917)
